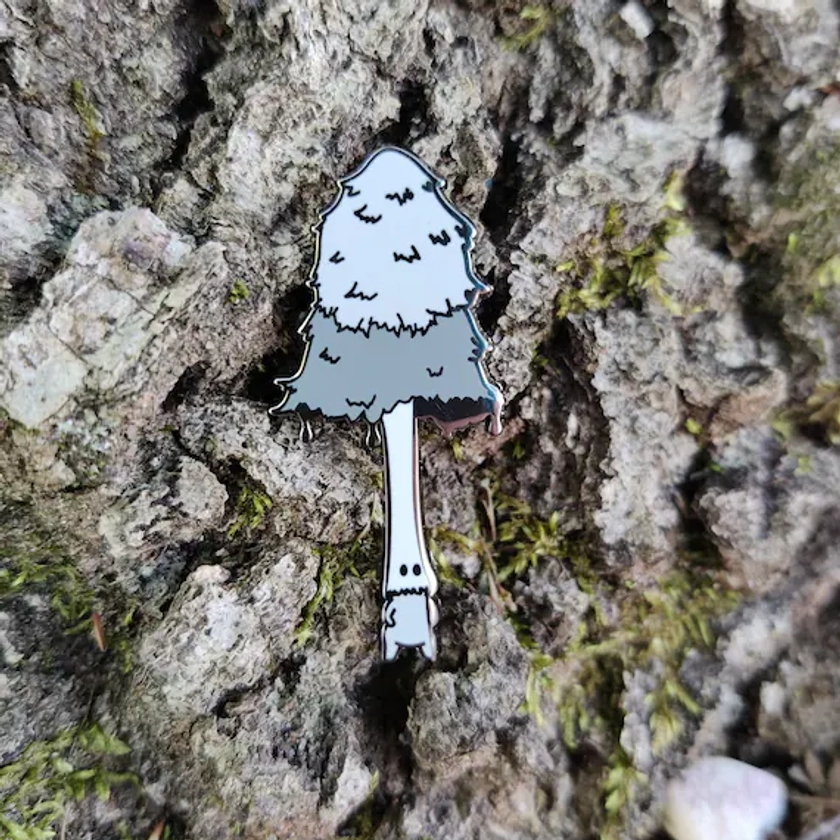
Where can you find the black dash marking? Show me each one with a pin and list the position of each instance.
(429, 186)
(461, 230)
(408, 590)
(351, 191)
(337, 258)
(355, 293)
(443, 239)
(414, 255)
(361, 403)
(360, 214)
(407, 195)
(448, 311)
(435, 373)
(333, 360)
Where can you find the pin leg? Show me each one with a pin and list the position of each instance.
(429, 649)
(390, 648)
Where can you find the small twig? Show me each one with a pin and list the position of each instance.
(823, 830)
(808, 799)
(88, 718)
(157, 831)
(99, 631)
(489, 510)
(493, 584)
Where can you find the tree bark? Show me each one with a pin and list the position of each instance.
(641, 568)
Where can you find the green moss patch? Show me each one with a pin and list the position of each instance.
(535, 21)
(33, 564)
(607, 270)
(49, 775)
(337, 563)
(818, 415)
(251, 507)
(807, 217)
(626, 628)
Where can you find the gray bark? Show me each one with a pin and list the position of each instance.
(641, 570)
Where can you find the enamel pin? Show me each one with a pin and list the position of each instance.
(392, 338)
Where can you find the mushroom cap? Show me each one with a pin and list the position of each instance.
(392, 249)
(392, 321)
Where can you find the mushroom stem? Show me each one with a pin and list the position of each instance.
(409, 582)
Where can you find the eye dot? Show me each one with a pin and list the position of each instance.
(416, 570)
(403, 570)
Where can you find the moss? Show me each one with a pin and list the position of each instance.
(120, 642)
(826, 276)
(660, 624)
(523, 539)
(645, 628)
(807, 202)
(607, 270)
(367, 818)
(336, 564)
(537, 20)
(512, 540)
(655, 628)
(818, 414)
(238, 292)
(445, 572)
(613, 222)
(517, 448)
(36, 788)
(693, 427)
(123, 831)
(91, 121)
(457, 449)
(32, 564)
(538, 682)
(251, 508)
(674, 199)
(621, 780)
(475, 543)
(92, 125)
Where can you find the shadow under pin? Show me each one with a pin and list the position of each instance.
(391, 338)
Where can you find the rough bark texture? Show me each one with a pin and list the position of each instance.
(642, 570)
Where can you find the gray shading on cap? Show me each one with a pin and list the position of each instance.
(361, 377)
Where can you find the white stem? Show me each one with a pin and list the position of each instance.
(405, 545)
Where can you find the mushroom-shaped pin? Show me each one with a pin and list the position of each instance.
(391, 337)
